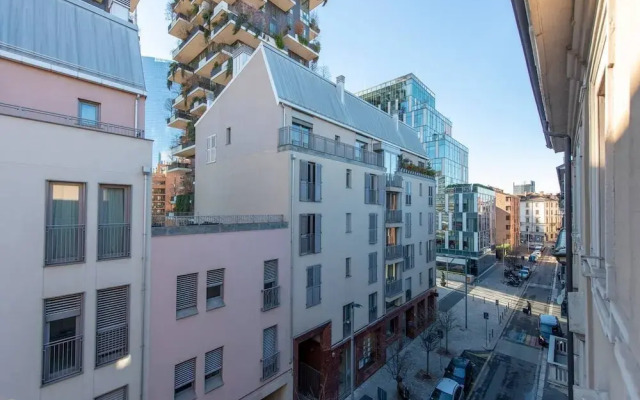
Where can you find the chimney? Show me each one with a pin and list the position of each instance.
(340, 87)
(395, 120)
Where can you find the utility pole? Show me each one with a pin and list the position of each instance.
(351, 349)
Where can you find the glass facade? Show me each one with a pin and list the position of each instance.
(156, 108)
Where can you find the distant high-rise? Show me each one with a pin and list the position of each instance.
(524, 187)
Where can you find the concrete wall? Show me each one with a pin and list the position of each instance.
(43, 152)
(237, 327)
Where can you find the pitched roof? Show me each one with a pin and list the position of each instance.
(298, 85)
(73, 35)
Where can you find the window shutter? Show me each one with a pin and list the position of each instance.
(304, 180)
(187, 292)
(367, 188)
(271, 271)
(318, 281)
(318, 183)
(62, 307)
(309, 286)
(213, 361)
(269, 342)
(113, 307)
(185, 373)
(318, 233)
(118, 394)
(215, 277)
(381, 189)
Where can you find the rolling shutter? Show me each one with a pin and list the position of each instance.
(62, 307)
(118, 394)
(187, 291)
(269, 342)
(213, 361)
(113, 307)
(215, 277)
(271, 271)
(185, 373)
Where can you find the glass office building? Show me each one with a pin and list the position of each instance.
(156, 110)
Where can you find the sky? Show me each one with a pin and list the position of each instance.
(468, 52)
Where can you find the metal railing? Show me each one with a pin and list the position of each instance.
(190, 219)
(111, 344)
(394, 180)
(114, 240)
(176, 17)
(307, 243)
(415, 173)
(216, 70)
(193, 33)
(270, 298)
(179, 114)
(308, 191)
(64, 244)
(61, 119)
(183, 146)
(393, 217)
(61, 358)
(393, 288)
(176, 165)
(293, 136)
(309, 381)
(270, 366)
(393, 251)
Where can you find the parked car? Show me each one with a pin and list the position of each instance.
(447, 389)
(460, 370)
(524, 273)
(538, 247)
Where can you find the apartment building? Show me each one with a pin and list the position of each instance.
(351, 180)
(73, 245)
(507, 219)
(171, 191)
(524, 188)
(218, 36)
(587, 88)
(540, 218)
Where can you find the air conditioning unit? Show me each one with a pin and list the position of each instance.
(377, 146)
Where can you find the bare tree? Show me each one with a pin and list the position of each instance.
(398, 363)
(322, 70)
(447, 321)
(430, 341)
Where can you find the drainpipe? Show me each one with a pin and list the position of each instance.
(146, 253)
(292, 182)
(568, 209)
(135, 115)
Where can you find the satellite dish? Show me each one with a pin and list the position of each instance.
(560, 297)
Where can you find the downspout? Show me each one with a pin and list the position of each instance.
(135, 115)
(292, 182)
(146, 253)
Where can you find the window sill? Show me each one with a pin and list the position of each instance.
(215, 303)
(62, 264)
(112, 258)
(186, 395)
(213, 384)
(186, 313)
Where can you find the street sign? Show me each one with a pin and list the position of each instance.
(486, 315)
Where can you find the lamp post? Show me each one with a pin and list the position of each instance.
(351, 347)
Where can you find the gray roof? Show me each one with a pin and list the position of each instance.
(298, 85)
(75, 35)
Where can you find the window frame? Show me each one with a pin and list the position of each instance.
(228, 134)
(81, 223)
(216, 301)
(347, 267)
(193, 309)
(84, 121)
(127, 349)
(127, 217)
(214, 379)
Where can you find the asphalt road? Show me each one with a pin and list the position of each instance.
(450, 300)
(513, 368)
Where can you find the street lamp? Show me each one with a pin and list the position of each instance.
(351, 350)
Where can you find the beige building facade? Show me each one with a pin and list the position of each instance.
(507, 219)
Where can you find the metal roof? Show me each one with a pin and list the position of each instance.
(74, 35)
(298, 85)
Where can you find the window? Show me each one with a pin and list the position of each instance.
(537, 212)
(527, 212)
(346, 320)
(372, 189)
(112, 324)
(184, 380)
(432, 278)
(392, 326)
(431, 223)
(420, 248)
(373, 228)
(430, 195)
(527, 219)
(118, 394)
(62, 350)
(373, 307)
(336, 138)
(215, 288)
(310, 233)
(373, 267)
(348, 222)
(508, 226)
(508, 208)
(211, 149)
(314, 285)
(420, 218)
(310, 181)
(65, 224)
(420, 189)
(213, 369)
(361, 147)
(409, 256)
(420, 278)
(187, 295)
(407, 191)
(508, 217)
(348, 179)
(407, 225)
(114, 222)
(270, 353)
(407, 292)
(271, 290)
(88, 113)
(347, 267)
(229, 135)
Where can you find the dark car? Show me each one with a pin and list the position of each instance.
(460, 370)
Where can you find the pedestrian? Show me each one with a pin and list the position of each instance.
(528, 307)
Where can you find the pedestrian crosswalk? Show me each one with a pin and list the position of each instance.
(522, 337)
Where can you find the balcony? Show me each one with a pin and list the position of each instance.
(393, 252)
(182, 7)
(199, 106)
(394, 181)
(393, 217)
(557, 370)
(270, 366)
(314, 3)
(114, 241)
(284, 5)
(193, 45)
(181, 73)
(179, 120)
(224, 32)
(185, 149)
(314, 31)
(301, 139)
(304, 50)
(415, 173)
(392, 288)
(222, 74)
(270, 298)
(213, 59)
(198, 18)
(256, 3)
(179, 166)
(64, 244)
(180, 26)
(61, 359)
(202, 89)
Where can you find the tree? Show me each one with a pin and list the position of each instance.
(430, 341)
(443, 280)
(398, 364)
(447, 321)
(322, 70)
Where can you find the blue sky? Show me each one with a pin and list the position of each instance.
(468, 52)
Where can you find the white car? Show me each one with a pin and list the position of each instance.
(538, 247)
(447, 389)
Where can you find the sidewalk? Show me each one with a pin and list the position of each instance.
(480, 334)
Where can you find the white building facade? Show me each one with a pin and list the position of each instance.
(540, 218)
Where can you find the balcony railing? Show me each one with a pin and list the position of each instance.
(60, 119)
(176, 165)
(393, 287)
(111, 344)
(179, 114)
(393, 251)
(394, 180)
(270, 298)
(64, 244)
(192, 34)
(114, 240)
(393, 217)
(175, 18)
(309, 381)
(61, 359)
(415, 173)
(183, 146)
(307, 243)
(189, 220)
(270, 366)
(293, 136)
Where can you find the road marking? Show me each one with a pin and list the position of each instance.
(537, 285)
